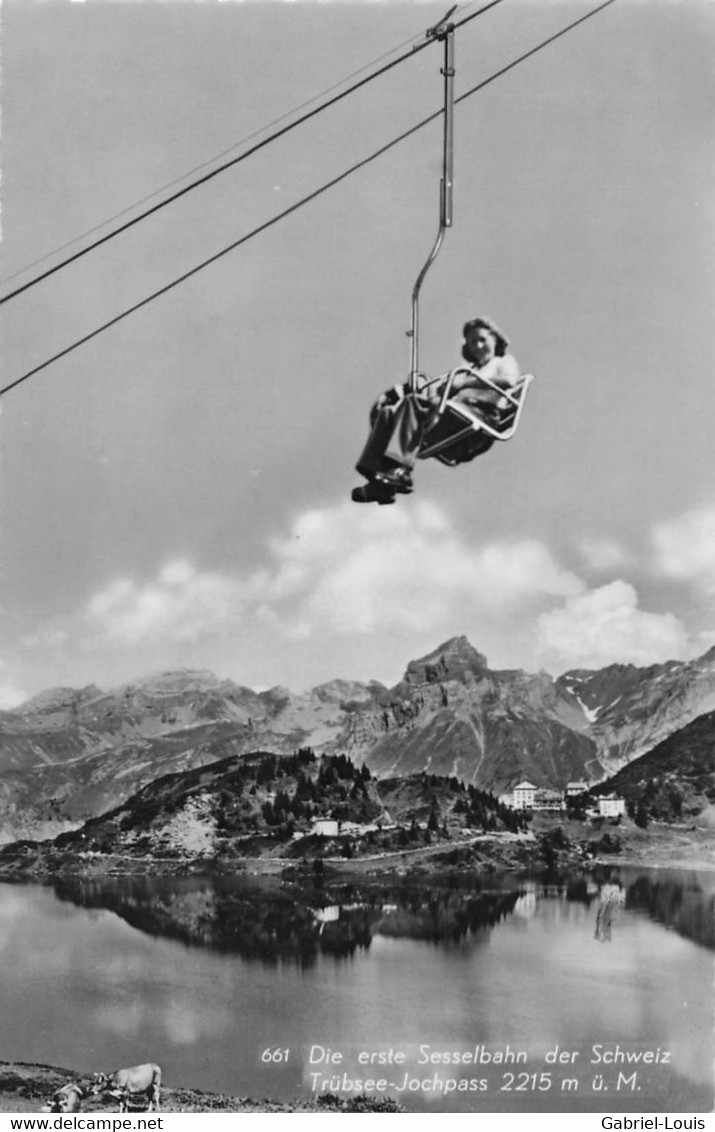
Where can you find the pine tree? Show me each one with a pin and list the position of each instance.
(433, 822)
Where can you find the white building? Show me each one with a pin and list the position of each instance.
(325, 827)
(327, 915)
(573, 789)
(609, 806)
(524, 795)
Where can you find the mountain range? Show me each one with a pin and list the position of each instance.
(70, 754)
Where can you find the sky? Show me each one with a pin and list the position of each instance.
(175, 493)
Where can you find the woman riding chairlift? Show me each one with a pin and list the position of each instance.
(458, 416)
(454, 417)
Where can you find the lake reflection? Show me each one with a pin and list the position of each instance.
(202, 975)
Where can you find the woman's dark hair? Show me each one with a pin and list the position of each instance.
(502, 345)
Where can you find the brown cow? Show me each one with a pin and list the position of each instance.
(125, 1084)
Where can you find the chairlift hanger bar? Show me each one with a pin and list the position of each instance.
(445, 32)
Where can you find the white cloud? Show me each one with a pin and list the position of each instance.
(339, 571)
(602, 554)
(342, 571)
(385, 574)
(605, 626)
(183, 604)
(685, 548)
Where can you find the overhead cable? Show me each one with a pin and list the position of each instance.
(304, 200)
(202, 165)
(427, 42)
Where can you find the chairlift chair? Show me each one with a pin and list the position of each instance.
(458, 432)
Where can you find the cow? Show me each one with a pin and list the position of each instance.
(67, 1099)
(126, 1084)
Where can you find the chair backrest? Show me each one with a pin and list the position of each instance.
(454, 421)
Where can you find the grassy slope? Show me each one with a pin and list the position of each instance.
(26, 1088)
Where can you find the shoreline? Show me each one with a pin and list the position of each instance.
(575, 846)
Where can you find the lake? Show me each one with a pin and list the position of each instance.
(587, 992)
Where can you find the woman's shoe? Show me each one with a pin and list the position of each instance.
(373, 492)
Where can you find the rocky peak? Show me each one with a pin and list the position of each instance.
(597, 689)
(456, 659)
(56, 701)
(174, 683)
